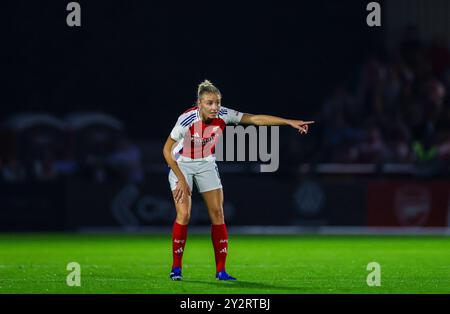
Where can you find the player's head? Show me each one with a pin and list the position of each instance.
(208, 99)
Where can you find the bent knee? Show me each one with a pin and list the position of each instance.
(217, 215)
(183, 217)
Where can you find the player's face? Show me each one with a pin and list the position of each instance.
(209, 105)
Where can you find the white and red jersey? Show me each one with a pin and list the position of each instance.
(196, 139)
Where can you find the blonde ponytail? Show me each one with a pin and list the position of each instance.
(206, 87)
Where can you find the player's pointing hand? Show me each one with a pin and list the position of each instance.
(300, 125)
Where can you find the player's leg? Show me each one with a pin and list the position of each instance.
(219, 235)
(179, 229)
(214, 203)
(210, 186)
(179, 235)
(183, 209)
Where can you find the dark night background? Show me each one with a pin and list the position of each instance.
(379, 154)
(141, 61)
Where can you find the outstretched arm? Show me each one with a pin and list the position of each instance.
(260, 119)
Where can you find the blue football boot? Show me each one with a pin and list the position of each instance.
(222, 275)
(175, 274)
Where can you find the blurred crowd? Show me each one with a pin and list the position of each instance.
(398, 111)
(92, 146)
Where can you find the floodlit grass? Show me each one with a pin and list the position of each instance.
(36, 263)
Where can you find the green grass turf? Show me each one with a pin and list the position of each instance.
(36, 263)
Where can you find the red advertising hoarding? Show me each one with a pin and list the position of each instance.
(408, 203)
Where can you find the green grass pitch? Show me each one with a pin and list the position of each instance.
(36, 263)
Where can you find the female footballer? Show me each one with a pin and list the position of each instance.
(189, 152)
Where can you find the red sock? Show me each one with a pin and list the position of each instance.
(179, 235)
(219, 238)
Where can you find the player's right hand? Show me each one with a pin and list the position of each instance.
(182, 191)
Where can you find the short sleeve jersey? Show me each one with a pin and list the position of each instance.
(196, 139)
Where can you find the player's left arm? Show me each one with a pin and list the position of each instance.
(261, 119)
